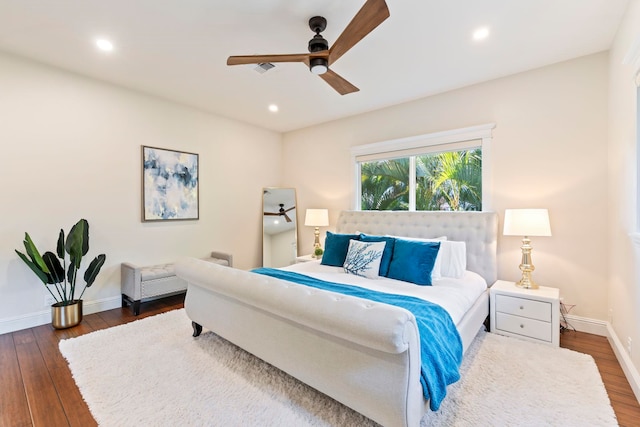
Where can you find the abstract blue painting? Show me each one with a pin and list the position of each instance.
(170, 184)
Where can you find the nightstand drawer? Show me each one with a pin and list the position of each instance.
(538, 310)
(523, 326)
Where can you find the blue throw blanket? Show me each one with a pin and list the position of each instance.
(440, 343)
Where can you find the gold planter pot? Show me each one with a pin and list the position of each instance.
(66, 316)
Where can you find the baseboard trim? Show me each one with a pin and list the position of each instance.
(602, 328)
(630, 371)
(585, 324)
(43, 317)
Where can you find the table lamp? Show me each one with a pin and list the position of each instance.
(526, 222)
(316, 218)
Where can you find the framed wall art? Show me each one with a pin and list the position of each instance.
(169, 185)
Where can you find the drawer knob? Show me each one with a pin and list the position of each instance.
(522, 307)
(522, 326)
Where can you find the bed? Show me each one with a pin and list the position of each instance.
(364, 354)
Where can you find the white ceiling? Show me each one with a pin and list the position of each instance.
(177, 49)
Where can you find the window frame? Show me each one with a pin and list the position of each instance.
(632, 58)
(450, 140)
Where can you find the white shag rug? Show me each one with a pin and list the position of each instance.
(153, 372)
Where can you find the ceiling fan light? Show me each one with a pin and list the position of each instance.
(319, 65)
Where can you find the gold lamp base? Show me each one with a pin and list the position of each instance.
(527, 281)
(526, 266)
(316, 243)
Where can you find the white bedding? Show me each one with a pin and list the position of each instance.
(456, 296)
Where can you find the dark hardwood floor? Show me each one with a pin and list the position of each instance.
(622, 399)
(36, 387)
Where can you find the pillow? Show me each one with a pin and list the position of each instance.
(363, 258)
(335, 248)
(388, 250)
(436, 272)
(413, 261)
(454, 259)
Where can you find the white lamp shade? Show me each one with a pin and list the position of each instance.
(526, 222)
(316, 217)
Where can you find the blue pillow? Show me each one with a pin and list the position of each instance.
(388, 250)
(336, 247)
(413, 261)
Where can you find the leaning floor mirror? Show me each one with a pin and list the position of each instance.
(279, 227)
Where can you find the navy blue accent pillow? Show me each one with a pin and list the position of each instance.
(336, 247)
(413, 261)
(388, 250)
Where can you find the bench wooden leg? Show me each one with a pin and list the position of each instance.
(136, 308)
(135, 305)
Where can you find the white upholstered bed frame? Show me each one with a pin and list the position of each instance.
(363, 354)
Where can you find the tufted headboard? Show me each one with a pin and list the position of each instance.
(478, 229)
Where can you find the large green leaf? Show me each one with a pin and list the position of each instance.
(34, 254)
(41, 274)
(60, 246)
(78, 242)
(56, 274)
(93, 269)
(72, 273)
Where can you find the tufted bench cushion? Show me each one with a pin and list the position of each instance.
(157, 272)
(140, 283)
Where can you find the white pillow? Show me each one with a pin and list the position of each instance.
(363, 258)
(436, 273)
(454, 259)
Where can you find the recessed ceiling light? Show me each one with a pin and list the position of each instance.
(481, 33)
(273, 108)
(104, 45)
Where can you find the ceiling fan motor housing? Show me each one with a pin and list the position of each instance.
(318, 43)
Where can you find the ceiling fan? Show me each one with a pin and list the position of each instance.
(320, 57)
(281, 212)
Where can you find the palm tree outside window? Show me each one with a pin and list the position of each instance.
(444, 181)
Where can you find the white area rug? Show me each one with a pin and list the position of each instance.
(152, 372)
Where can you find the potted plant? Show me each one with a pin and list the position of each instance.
(59, 272)
(317, 252)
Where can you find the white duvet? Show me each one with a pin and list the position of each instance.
(454, 295)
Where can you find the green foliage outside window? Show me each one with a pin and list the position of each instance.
(444, 181)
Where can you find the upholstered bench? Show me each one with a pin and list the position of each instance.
(154, 281)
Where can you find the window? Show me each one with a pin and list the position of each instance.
(443, 171)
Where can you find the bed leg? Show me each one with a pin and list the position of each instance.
(197, 329)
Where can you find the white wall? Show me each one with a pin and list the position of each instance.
(624, 258)
(549, 151)
(71, 148)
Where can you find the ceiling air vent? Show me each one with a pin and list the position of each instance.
(263, 67)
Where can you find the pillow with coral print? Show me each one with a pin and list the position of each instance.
(363, 258)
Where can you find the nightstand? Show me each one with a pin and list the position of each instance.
(305, 258)
(532, 314)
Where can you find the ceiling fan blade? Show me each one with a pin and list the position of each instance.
(286, 217)
(342, 86)
(290, 209)
(271, 214)
(258, 59)
(372, 14)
